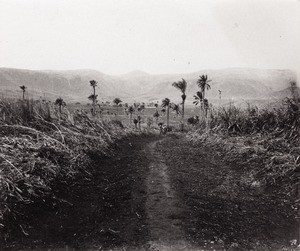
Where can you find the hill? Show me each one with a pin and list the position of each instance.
(73, 85)
(287, 92)
(70, 85)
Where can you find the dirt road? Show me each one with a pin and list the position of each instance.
(159, 194)
(162, 206)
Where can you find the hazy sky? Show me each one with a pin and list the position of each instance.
(156, 36)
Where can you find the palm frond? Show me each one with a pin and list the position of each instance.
(180, 85)
(165, 102)
(93, 83)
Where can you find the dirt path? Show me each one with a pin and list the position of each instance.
(158, 194)
(162, 206)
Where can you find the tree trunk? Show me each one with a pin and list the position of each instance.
(168, 115)
(23, 95)
(130, 118)
(94, 101)
(182, 118)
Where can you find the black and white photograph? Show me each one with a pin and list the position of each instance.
(149, 125)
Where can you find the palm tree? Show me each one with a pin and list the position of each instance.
(139, 121)
(166, 104)
(135, 121)
(60, 103)
(181, 85)
(23, 87)
(93, 97)
(141, 108)
(203, 84)
(175, 108)
(131, 111)
(205, 106)
(156, 116)
(117, 101)
(198, 100)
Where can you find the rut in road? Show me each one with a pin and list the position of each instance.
(162, 206)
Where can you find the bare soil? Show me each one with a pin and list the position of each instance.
(163, 207)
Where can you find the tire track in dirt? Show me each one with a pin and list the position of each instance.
(163, 207)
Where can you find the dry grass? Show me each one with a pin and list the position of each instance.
(264, 148)
(41, 149)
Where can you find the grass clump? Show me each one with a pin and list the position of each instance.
(261, 149)
(43, 153)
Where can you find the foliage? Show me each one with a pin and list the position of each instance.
(225, 204)
(23, 88)
(198, 98)
(280, 121)
(264, 148)
(181, 85)
(203, 84)
(131, 109)
(41, 157)
(149, 122)
(117, 101)
(93, 83)
(93, 97)
(60, 102)
(156, 115)
(193, 120)
(175, 108)
(166, 104)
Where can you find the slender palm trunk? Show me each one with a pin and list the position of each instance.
(94, 101)
(23, 94)
(168, 115)
(203, 99)
(130, 117)
(182, 118)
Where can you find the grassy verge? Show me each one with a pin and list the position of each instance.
(58, 180)
(226, 203)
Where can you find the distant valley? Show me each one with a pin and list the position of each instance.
(73, 85)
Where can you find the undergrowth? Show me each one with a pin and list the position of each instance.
(43, 152)
(263, 144)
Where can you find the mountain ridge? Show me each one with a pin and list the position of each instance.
(73, 85)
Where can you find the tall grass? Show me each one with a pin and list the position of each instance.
(281, 119)
(264, 145)
(264, 148)
(42, 152)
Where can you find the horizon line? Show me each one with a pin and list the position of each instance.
(149, 73)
